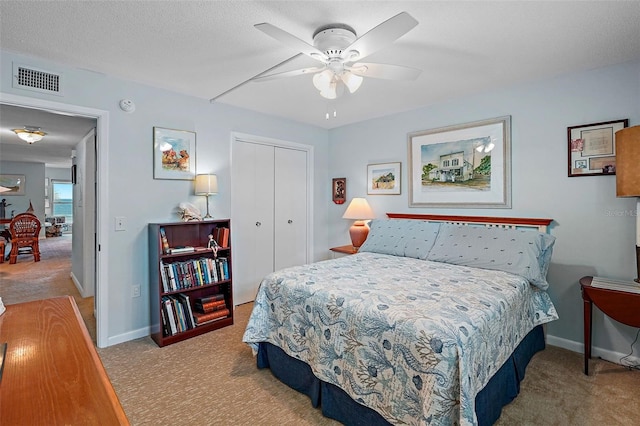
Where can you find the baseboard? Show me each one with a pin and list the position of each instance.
(78, 285)
(131, 335)
(596, 352)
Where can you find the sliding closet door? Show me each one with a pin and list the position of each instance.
(291, 203)
(252, 226)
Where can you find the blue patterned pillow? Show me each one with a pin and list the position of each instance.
(522, 252)
(401, 237)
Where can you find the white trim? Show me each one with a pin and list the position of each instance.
(309, 149)
(596, 352)
(102, 200)
(128, 336)
(77, 284)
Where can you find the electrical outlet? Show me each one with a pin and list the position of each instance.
(135, 291)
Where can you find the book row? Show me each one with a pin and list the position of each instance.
(193, 273)
(178, 316)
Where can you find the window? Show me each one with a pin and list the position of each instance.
(454, 162)
(63, 200)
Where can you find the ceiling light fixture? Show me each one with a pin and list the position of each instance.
(30, 134)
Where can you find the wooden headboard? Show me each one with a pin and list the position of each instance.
(489, 221)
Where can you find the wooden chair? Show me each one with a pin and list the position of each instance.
(25, 230)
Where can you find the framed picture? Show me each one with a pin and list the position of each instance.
(592, 148)
(383, 179)
(462, 166)
(339, 189)
(174, 154)
(15, 183)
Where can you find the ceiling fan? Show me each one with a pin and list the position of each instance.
(338, 50)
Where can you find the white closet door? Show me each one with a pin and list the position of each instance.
(252, 226)
(291, 203)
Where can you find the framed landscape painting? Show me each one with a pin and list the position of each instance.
(174, 154)
(462, 166)
(383, 179)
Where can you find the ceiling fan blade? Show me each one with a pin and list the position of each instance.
(380, 36)
(385, 71)
(292, 41)
(303, 71)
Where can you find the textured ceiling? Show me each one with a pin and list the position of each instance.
(204, 48)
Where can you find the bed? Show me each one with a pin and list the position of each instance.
(433, 321)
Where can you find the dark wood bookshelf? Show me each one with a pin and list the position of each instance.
(187, 234)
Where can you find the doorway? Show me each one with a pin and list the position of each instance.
(96, 224)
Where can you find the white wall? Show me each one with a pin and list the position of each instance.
(594, 235)
(132, 190)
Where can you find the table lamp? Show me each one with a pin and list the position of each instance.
(628, 175)
(206, 185)
(360, 211)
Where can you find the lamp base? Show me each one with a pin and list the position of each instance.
(358, 233)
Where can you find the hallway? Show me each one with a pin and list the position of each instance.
(27, 280)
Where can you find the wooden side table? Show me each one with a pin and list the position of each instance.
(348, 249)
(2, 247)
(622, 306)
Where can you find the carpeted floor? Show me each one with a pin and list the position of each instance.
(27, 280)
(213, 379)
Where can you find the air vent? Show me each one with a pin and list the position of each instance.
(42, 81)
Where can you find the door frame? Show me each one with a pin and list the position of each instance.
(309, 149)
(102, 201)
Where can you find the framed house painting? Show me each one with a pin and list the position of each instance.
(15, 184)
(174, 154)
(461, 166)
(383, 179)
(592, 148)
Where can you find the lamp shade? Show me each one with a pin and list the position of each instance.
(359, 210)
(206, 184)
(628, 162)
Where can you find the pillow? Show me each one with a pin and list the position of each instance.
(401, 237)
(523, 252)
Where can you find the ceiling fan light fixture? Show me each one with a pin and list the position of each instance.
(322, 81)
(330, 92)
(30, 134)
(352, 81)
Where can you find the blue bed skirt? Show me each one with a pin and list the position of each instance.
(503, 387)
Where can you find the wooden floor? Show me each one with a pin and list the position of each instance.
(27, 280)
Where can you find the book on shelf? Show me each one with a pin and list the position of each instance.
(170, 315)
(210, 306)
(184, 299)
(210, 298)
(221, 235)
(181, 249)
(201, 318)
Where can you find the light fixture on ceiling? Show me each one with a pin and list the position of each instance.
(331, 83)
(30, 134)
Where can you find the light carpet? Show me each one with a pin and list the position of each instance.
(213, 379)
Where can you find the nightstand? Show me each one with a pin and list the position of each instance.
(622, 306)
(343, 250)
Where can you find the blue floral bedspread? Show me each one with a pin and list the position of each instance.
(412, 339)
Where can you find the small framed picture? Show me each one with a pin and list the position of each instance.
(174, 154)
(383, 179)
(592, 148)
(339, 189)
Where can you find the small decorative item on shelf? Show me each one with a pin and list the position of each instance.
(188, 212)
(213, 245)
